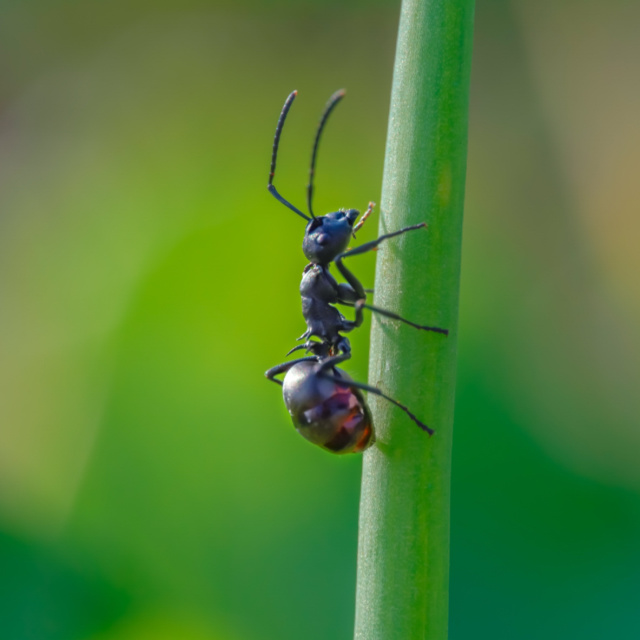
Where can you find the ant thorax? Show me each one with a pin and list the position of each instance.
(317, 282)
(319, 293)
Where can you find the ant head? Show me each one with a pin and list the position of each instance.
(327, 236)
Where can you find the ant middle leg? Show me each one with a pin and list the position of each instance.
(361, 304)
(389, 314)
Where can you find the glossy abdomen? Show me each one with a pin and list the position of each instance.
(326, 412)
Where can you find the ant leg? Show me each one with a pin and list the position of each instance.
(274, 154)
(350, 325)
(344, 293)
(359, 290)
(362, 220)
(389, 314)
(363, 248)
(376, 391)
(333, 361)
(333, 101)
(298, 348)
(284, 367)
(321, 349)
(356, 291)
(359, 305)
(369, 246)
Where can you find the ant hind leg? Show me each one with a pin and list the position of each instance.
(284, 367)
(369, 389)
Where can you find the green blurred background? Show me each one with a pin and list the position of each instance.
(151, 484)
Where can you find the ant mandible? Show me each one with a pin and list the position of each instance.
(326, 405)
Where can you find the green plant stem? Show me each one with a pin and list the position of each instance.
(403, 556)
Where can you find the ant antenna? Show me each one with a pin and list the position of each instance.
(276, 142)
(333, 101)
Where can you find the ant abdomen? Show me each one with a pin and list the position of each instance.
(324, 411)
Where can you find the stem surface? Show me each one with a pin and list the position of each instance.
(403, 555)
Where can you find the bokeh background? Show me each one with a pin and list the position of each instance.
(151, 485)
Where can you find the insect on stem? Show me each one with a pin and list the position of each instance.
(326, 405)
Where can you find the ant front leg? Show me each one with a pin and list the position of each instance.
(360, 303)
(363, 248)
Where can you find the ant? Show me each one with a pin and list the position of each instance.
(325, 404)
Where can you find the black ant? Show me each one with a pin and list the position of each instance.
(325, 404)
